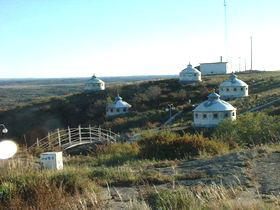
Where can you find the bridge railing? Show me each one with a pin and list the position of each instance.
(64, 138)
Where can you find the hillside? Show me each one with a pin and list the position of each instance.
(148, 99)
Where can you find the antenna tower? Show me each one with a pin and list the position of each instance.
(251, 39)
(226, 29)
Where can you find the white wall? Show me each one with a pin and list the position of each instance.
(214, 68)
(94, 86)
(210, 121)
(233, 92)
(190, 77)
(116, 111)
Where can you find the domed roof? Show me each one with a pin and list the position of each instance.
(233, 82)
(214, 104)
(190, 69)
(94, 79)
(119, 103)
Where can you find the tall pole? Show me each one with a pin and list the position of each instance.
(251, 53)
(226, 30)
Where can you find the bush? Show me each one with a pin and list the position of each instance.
(250, 129)
(168, 145)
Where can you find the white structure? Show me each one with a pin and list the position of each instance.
(190, 75)
(211, 112)
(94, 85)
(117, 107)
(52, 160)
(233, 88)
(214, 68)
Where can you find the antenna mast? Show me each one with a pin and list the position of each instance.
(251, 39)
(226, 30)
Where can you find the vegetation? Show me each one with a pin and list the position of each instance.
(250, 129)
(168, 145)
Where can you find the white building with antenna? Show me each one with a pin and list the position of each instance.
(215, 68)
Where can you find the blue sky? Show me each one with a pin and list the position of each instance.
(67, 38)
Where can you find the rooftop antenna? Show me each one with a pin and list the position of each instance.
(226, 29)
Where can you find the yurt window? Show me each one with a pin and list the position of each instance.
(233, 114)
(124, 109)
(196, 115)
(226, 115)
(112, 110)
(204, 116)
(241, 88)
(234, 89)
(118, 110)
(227, 89)
(215, 116)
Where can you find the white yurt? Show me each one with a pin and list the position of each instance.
(117, 107)
(233, 88)
(94, 85)
(190, 75)
(211, 112)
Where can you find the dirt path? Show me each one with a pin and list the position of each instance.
(266, 171)
(257, 170)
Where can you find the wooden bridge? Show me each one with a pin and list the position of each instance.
(72, 137)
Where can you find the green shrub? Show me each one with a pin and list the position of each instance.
(168, 145)
(250, 129)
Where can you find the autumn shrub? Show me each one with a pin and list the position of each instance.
(168, 145)
(250, 129)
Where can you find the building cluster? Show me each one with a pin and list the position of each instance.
(211, 112)
(207, 114)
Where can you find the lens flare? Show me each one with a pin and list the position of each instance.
(7, 149)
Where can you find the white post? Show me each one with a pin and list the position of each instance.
(69, 135)
(89, 127)
(99, 133)
(80, 134)
(59, 139)
(37, 142)
(49, 139)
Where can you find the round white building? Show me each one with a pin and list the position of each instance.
(94, 85)
(233, 88)
(190, 75)
(213, 111)
(118, 107)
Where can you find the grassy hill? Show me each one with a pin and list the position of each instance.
(148, 99)
(235, 168)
